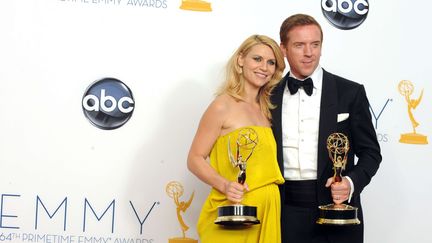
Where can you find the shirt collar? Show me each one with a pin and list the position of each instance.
(316, 77)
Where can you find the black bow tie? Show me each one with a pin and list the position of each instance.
(295, 84)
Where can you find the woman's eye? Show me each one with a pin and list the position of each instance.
(271, 62)
(258, 59)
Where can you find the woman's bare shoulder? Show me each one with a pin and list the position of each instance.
(222, 104)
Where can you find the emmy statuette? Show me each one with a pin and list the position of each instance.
(238, 214)
(338, 214)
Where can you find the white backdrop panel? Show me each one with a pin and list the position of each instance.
(173, 61)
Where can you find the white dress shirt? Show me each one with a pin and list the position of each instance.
(300, 124)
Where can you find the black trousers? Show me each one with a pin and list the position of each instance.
(299, 215)
(299, 225)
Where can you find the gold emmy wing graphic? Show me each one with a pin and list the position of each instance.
(175, 190)
(406, 88)
(196, 5)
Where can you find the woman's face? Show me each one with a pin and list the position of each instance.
(258, 65)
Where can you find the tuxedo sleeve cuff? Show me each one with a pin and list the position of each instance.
(352, 188)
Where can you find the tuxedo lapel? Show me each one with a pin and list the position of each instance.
(276, 99)
(328, 119)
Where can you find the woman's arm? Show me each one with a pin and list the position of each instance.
(209, 130)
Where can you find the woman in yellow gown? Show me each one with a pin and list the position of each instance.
(242, 102)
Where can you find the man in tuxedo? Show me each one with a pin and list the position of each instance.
(311, 104)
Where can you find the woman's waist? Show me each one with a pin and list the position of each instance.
(253, 188)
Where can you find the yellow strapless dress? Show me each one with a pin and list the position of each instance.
(262, 177)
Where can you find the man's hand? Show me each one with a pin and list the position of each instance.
(340, 190)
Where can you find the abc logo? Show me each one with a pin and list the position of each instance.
(108, 103)
(345, 14)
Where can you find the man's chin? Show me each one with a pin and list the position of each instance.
(307, 72)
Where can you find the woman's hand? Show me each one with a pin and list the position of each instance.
(234, 191)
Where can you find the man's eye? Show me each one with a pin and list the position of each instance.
(298, 45)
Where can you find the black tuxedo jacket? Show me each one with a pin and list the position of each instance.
(339, 95)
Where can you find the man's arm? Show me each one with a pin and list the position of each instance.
(364, 143)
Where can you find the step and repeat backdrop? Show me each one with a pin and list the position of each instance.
(100, 100)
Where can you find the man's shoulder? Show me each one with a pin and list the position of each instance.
(279, 87)
(340, 81)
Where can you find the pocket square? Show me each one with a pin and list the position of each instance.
(342, 117)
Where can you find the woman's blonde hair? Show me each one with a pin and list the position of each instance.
(234, 82)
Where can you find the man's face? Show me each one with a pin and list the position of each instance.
(303, 50)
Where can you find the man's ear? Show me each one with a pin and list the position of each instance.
(283, 49)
